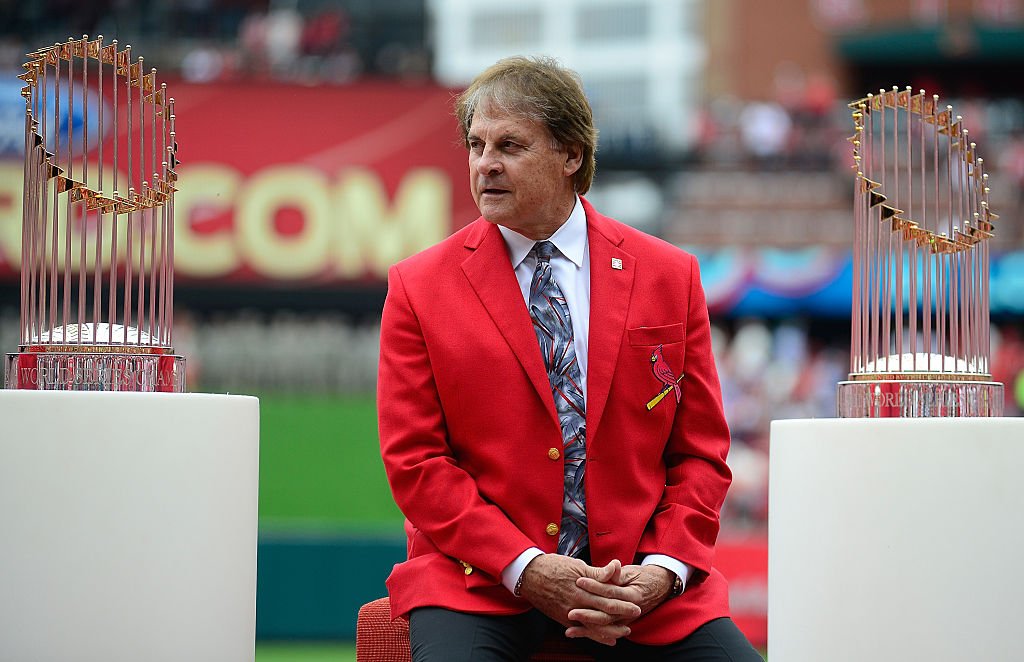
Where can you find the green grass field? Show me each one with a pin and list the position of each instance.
(291, 652)
(320, 465)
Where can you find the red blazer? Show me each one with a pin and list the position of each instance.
(467, 421)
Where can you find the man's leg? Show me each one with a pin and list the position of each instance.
(441, 635)
(715, 641)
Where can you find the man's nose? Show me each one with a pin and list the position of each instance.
(489, 162)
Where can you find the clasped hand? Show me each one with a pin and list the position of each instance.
(596, 603)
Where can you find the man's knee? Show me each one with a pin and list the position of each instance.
(720, 639)
(442, 635)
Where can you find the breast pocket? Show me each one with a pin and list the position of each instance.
(655, 362)
(652, 336)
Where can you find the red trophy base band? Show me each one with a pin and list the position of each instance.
(892, 398)
(96, 368)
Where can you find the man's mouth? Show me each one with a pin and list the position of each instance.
(493, 191)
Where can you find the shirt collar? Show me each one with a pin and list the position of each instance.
(570, 238)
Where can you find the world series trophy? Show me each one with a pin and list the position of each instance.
(97, 260)
(920, 335)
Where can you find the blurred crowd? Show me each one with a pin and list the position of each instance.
(805, 129)
(801, 127)
(209, 40)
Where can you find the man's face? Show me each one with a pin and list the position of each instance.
(519, 176)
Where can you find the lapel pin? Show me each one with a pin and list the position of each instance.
(616, 263)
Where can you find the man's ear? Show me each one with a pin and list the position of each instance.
(573, 159)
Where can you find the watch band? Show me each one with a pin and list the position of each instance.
(677, 587)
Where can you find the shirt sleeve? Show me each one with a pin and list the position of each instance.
(680, 569)
(513, 571)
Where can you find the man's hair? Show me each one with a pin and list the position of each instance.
(540, 89)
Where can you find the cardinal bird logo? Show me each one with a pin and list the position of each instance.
(661, 370)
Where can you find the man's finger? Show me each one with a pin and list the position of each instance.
(610, 573)
(611, 606)
(607, 590)
(591, 617)
(606, 635)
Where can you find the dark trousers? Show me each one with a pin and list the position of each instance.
(441, 635)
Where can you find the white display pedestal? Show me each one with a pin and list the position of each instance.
(895, 540)
(128, 527)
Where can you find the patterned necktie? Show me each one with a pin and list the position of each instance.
(553, 327)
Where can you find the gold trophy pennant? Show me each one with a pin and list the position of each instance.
(122, 59)
(928, 105)
(93, 48)
(108, 54)
(888, 211)
(864, 184)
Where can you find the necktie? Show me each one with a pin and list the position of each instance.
(553, 327)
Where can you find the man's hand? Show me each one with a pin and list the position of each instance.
(550, 583)
(645, 586)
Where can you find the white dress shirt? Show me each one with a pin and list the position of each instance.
(570, 266)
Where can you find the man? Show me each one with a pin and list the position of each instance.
(550, 414)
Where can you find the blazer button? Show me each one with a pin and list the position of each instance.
(468, 568)
(552, 529)
(553, 453)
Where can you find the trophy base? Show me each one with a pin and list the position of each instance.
(96, 368)
(893, 398)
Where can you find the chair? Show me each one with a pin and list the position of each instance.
(379, 639)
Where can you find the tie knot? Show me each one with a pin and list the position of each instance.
(544, 250)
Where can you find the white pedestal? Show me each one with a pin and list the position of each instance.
(896, 539)
(128, 527)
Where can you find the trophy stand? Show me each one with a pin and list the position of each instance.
(129, 512)
(891, 532)
(893, 539)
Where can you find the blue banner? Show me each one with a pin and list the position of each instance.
(767, 282)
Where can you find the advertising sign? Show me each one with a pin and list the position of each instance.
(291, 183)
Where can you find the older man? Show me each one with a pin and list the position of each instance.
(550, 414)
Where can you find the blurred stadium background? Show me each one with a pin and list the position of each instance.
(318, 147)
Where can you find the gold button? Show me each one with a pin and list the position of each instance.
(552, 529)
(468, 568)
(553, 453)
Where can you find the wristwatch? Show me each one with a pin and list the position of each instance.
(677, 587)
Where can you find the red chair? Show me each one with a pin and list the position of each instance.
(379, 639)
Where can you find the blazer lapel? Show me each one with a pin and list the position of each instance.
(610, 291)
(490, 273)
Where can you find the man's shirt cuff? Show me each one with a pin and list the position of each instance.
(674, 565)
(510, 575)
